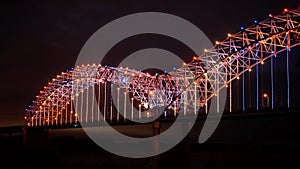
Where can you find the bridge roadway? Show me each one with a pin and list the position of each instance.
(267, 126)
(261, 128)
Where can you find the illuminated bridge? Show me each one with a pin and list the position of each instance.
(96, 93)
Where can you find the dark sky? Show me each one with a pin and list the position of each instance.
(40, 39)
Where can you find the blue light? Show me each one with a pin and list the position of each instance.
(166, 72)
(72, 68)
(68, 84)
(242, 28)
(174, 68)
(123, 80)
(255, 21)
(105, 65)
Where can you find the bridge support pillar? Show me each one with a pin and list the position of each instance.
(35, 136)
(156, 131)
(156, 128)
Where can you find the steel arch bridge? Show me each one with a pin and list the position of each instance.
(187, 88)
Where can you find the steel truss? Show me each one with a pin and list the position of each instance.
(186, 88)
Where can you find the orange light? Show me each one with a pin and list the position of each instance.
(217, 42)
(229, 35)
(285, 10)
(184, 63)
(249, 70)
(265, 95)
(238, 77)
(195, 58)
(262, 62)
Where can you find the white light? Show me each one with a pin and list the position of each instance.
(146, 105)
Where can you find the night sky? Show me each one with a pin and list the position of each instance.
(40, 39)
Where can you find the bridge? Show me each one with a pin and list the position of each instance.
(94, 93)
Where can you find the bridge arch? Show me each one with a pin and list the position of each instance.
(238, 53)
